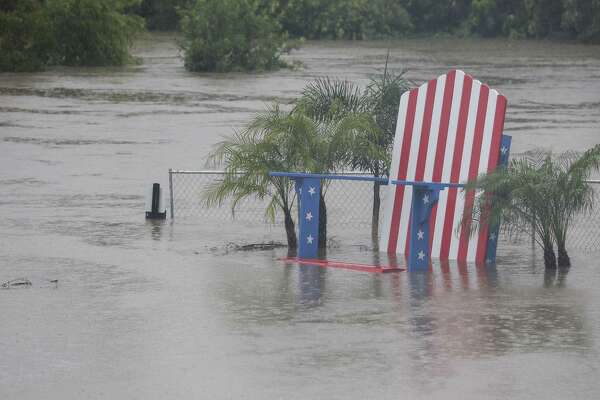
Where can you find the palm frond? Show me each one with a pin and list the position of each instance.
(326, 99)
(539, 191)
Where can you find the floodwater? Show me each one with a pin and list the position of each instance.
(167, 310)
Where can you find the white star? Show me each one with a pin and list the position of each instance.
(309, 239)
(309, 216)
(421, 255)
(311, 190)
(426, 199)
(420, 234)
(503, 150)
(492, 236)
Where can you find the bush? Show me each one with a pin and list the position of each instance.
(161, 15)
(231, 35)
(343, 19)
(36, 33)
(24, 43)
(582, 19)
(93, 32)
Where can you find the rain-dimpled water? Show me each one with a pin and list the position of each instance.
(124, 308)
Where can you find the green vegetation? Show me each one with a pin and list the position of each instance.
(333, 126)
(241, 35)
(37, 33)
(23, 41)
(542, 193)
(251, 34)
(362, 19)
(281, 141)
(342, 19)
(161, 15)
(92, 32)
(230, 35)
(329, 100)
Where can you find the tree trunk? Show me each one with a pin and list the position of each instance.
(322, 222)
(549, 257)
(563, 257)
(290, 231)
(375, 219)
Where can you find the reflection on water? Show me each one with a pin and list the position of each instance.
(311, 284)
(149, 310)
(156, 227)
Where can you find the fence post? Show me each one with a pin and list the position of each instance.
(171, 193)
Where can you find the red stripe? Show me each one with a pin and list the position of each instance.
(456, 162)
(343, 265)
(440, 150)
(399, 195)
(463, 244)
(492, 164)
(424, 143)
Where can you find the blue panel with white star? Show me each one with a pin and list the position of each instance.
(492, 240)
(308, 217)
(424, 198)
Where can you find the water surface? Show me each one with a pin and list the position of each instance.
(162, 310)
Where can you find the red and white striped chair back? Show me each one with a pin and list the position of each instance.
(449, 130)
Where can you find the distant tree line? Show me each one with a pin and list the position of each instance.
(37, 33)
(224, 35)
(362, 19)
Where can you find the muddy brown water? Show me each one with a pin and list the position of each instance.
(145, 310)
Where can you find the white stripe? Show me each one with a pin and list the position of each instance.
(434, 132)
(464, 168)
(388, 208)
(488, 131)
(412, 169)
(447, 169)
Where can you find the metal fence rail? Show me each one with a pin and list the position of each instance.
(349, 206)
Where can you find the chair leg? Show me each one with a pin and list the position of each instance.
(308, 217)
(494, 231)
(419, 256)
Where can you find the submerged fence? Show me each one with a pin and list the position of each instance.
(349, 207)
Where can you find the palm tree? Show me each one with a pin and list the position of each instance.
(539, 193)
(281, 141)
(271, 142)
(329, 100)
(572, 195)
(383, 96)
(517, 197)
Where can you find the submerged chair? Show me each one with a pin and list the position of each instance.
(449, 131)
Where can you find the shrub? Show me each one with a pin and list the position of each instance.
(161, 15)
(230, 35)
(24, 43)
(582, 19)
(36, 33)
(93, 32)
(343, 19)
(542, 192)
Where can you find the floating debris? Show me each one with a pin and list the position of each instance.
(16, 283)
(233, 247)
(259, 246)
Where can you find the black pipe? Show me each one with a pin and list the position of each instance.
(155, 213)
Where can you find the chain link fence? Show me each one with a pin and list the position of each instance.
(349, 207)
